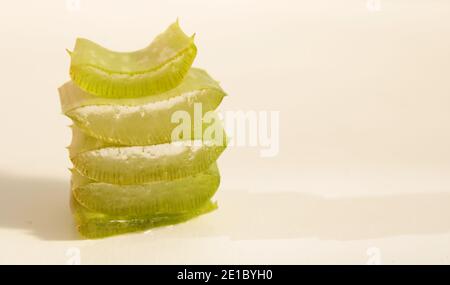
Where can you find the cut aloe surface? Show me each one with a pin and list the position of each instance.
(157, 68)
(95, 225)
(162, 197)
(141, 164)
(140, 121)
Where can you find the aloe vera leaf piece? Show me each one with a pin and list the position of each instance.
(157, 68)
(81, 142)
(94, 225)
(139, 121)
(162, 197)
(141, 164)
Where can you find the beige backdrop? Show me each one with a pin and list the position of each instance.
(363, 93)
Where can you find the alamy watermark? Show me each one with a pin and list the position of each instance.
(73, 255)
(259, 129)
(373, 5)
(374, 256)
(73, 5)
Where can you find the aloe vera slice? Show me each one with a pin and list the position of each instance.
(157, 68)
(144, 120)
(125, 165)
(168, 197)
(95, 225)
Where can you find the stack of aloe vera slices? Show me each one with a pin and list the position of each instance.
(129, 172)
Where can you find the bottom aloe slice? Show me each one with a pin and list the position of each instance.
(161, 197)
(125, 165)
(94, 225)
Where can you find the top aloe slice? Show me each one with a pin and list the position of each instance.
(139, 121)
(157, 68)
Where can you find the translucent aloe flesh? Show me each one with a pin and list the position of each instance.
(145, 135)
(162, 197)
(140, 164)
(94, 225)
(157, 68)
(139, 121)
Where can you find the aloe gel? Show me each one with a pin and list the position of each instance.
(135, 167)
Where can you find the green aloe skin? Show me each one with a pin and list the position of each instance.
(128, 173)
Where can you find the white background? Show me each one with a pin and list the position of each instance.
(363, 172)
